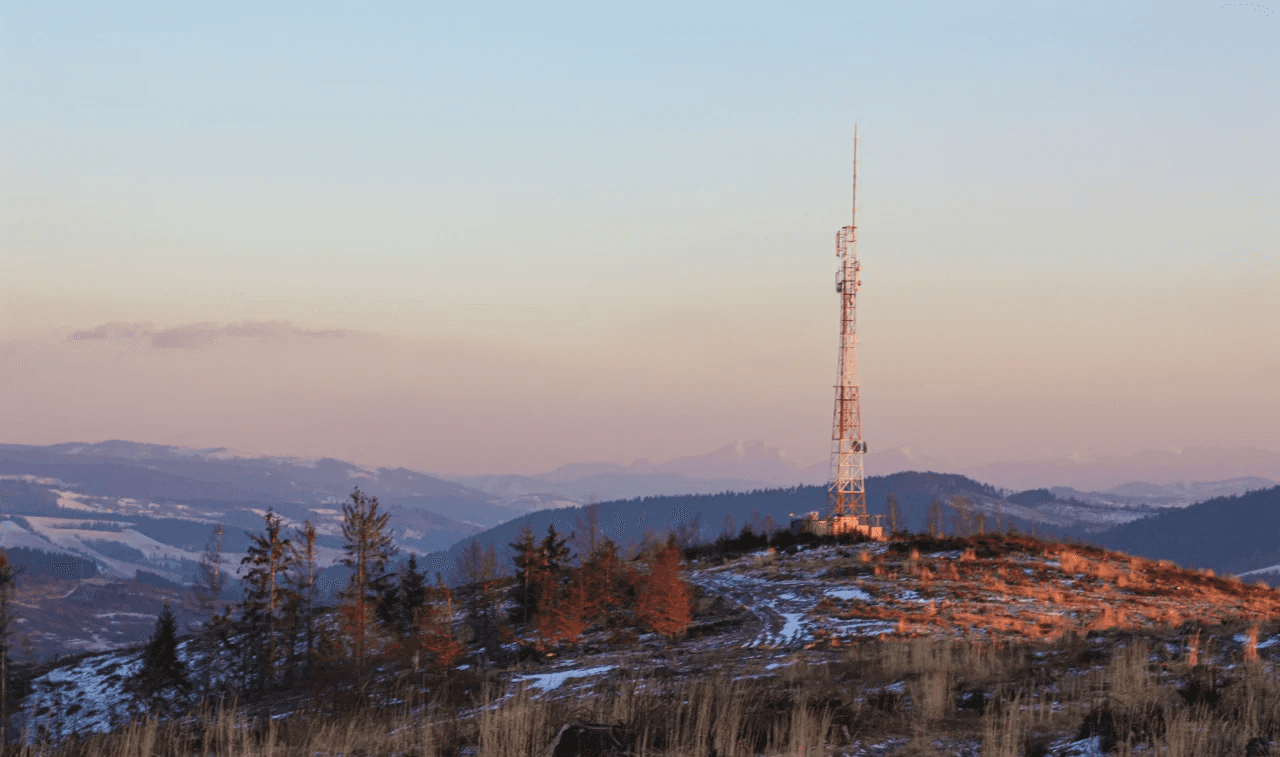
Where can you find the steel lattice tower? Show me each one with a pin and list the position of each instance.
(847, 494)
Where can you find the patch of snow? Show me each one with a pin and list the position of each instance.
(862, 627)
(1090, 747)
(793, 628)
(69, 500)
(849, 594)
(98, 694)
(30, 479)
(146, 616)
(13, 536)
(552, 681)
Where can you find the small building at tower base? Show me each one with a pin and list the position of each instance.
(838, 525)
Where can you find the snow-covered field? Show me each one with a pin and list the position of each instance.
(85, 697)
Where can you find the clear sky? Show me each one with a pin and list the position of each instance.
(498, 238)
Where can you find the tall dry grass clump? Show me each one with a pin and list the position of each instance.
(515, 724)
(1004, 730)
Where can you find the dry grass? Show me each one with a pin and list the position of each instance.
(1021, 589)
(928, 696)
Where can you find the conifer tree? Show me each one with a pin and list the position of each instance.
(267, 594)
(609, 582)
(555, 552)
(214, 623)
(367, 548)
(162, 678)
(530, 566)
(664, 604)
(478, 569)
(401, 604)
(8, 619)
(210, 580)
(303, 582)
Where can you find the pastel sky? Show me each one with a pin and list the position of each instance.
(474, 237)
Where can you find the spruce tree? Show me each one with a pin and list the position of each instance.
(401, 604)
(368, 548)
(555, 552)
(303, 582)
(530, 566)
(478, 569)
(161, 682)
(210, 581)
(267, 594)
(8, 620)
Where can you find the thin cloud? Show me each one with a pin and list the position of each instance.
(192, 336)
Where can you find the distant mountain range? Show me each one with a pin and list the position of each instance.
(1156, 479)
(1159, 467)
(160, 503)
(130, 507)
(153, 471)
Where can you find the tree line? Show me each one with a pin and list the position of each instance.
(280, 634)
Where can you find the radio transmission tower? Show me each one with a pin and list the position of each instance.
(847, 493)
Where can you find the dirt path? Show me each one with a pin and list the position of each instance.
(779, 607)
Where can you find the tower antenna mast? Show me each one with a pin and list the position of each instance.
(847, 492)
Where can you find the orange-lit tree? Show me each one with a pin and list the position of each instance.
(610, 583)
(664, 604)
(436, 637)
(563, 615)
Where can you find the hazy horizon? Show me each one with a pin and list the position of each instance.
(469, 242)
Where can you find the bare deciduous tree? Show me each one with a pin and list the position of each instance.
(935, 518)
(895, 515)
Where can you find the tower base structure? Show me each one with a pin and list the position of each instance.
(838, 525)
